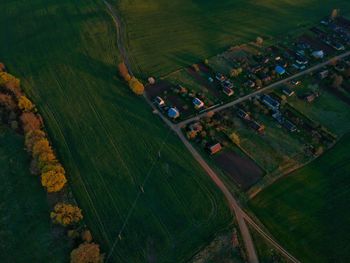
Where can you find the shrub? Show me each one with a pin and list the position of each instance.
(136, 86)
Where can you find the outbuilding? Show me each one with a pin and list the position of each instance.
(214, 148)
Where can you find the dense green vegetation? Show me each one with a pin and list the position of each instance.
(165, 35)
(65, 53)
(24, 210)
(308, 211)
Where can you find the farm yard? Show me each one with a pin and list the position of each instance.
(24, 209)
(308, 210)
(108, 140)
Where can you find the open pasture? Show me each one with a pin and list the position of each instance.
(308, 210)
(110, 143)
(166, 35)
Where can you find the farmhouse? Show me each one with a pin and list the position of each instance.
(280, 70)
(257, 126)
(214, 148)
(289, 126)
(173, 113)
(270, 102)
(228, 91)
(319, 54)
(198, 103)
(243, 115)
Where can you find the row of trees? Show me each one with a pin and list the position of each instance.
(135, 85)
(44, 161)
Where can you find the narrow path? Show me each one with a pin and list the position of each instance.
(241, 216)
(120, 33)
(273, 85)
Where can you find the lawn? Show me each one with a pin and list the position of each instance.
(308, 211)
(165, 35)
(24, 209)
(108, 139)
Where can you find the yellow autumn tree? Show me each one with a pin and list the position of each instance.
(86, 253)
(136, 86)
(66, 214)
(25, 104)
(53, 181)
(11, 83)
(235, 138)
(41, 146)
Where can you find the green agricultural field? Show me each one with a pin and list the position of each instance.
(165, 35)
(308, 211)
(24, 210)
(65, 53)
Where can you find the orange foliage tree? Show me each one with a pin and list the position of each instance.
(124, 72)
(86, 253)
(30, 122)
(66, 214)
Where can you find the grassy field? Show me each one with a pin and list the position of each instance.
(164, 35)
(308, 211)
(327, 110)
(65, 54)
(24, 209)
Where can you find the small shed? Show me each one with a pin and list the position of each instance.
(214, 148)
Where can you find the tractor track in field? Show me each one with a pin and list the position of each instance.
(242, 217)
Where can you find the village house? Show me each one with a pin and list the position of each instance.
(270, 102)
(257, 126)
(243, 115)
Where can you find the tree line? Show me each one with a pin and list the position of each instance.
(21, 114)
